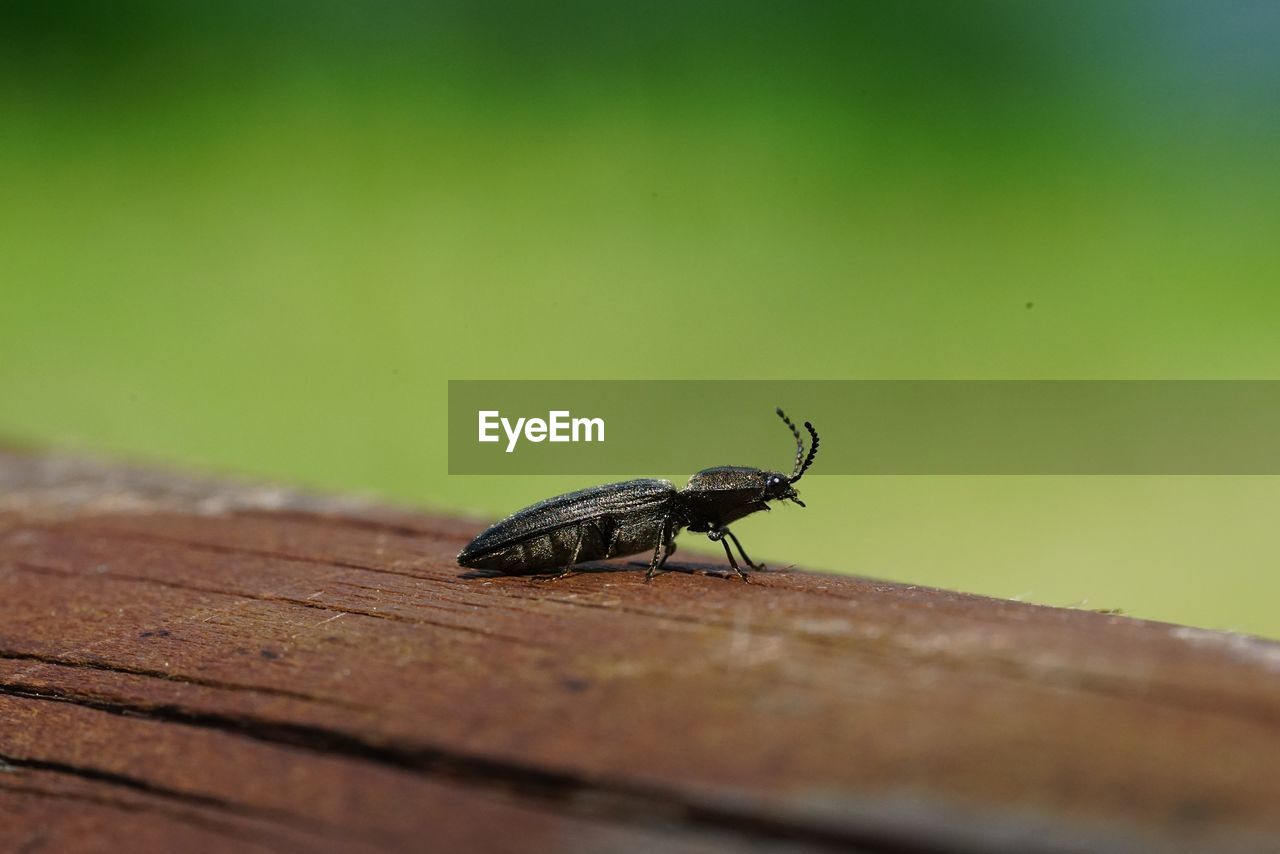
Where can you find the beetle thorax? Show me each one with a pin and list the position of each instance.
(717, 496)
(723, 478)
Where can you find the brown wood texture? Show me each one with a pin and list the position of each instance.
(189, 665)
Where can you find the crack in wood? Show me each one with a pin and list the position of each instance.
(306, 824)
(609, 800)
(190, 815)
(108, 667)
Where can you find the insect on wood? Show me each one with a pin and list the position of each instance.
(618, 519)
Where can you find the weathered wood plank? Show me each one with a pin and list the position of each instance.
(202, 662)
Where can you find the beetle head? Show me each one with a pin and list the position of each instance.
(777, 487)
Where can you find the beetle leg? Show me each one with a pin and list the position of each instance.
(733, 563)
(568, 570)
(657, 561)
(614, 534)
(730, 535)
(718, 535)
(660, 551)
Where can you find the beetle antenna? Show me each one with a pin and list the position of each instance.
(813, 452)
(799, 443)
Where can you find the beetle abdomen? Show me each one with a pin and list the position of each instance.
(541, 552)
(611, 520)
(601, 539)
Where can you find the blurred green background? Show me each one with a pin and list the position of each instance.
(260, 237)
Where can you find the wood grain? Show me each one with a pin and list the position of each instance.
(201, 665)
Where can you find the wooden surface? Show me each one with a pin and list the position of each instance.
(195, 666)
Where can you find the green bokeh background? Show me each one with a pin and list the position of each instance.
(260, 237)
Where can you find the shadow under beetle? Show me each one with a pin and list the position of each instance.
(618, 519)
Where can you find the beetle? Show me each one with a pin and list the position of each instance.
(618, 519)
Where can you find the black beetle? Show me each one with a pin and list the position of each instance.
(619, 519)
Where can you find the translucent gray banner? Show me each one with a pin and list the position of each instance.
(592, 427)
